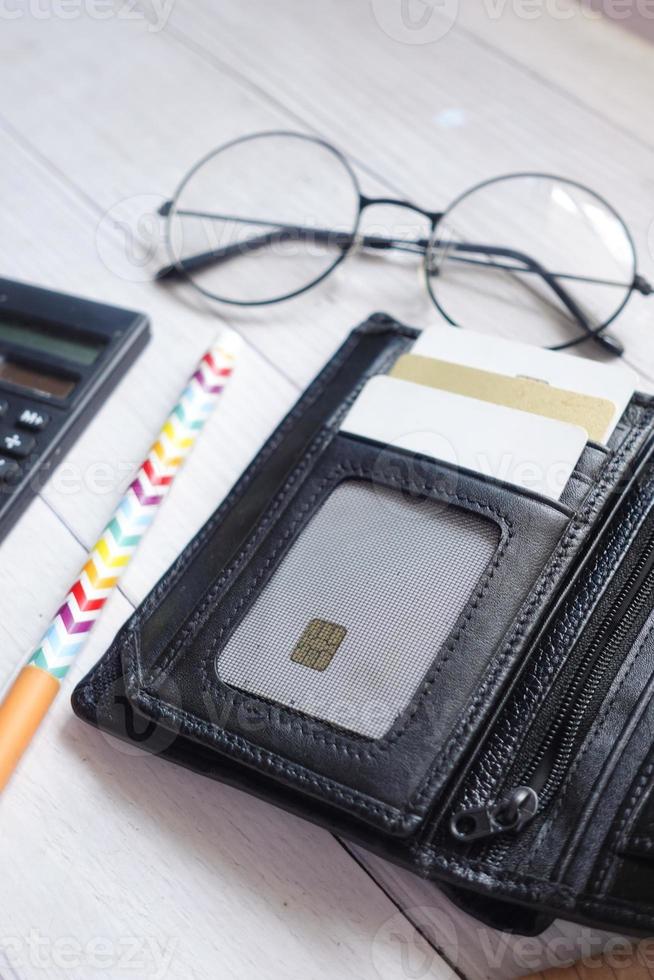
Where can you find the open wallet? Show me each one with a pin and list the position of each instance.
(455, 672)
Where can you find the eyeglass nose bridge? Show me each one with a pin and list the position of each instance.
(397, 202)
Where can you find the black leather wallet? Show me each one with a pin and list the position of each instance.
(451, 671)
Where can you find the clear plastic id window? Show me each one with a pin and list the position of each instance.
(360, 606)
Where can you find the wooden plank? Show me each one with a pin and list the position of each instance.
(177, 873)
(31, 590)
(477, 951)
(520, 122)
(451, 143)
(234, 62)
(563, 43)
(86, 486)
(131, 867)
(524, 125)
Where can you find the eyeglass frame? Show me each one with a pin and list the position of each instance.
(177, 266)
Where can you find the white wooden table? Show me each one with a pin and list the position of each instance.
(113, 863)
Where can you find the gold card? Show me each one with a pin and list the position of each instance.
(526, 394)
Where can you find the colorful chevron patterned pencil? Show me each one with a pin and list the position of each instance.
(34, 690)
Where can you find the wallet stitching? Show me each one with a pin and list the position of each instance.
(512, 742)
(308, 728)
(606, 872)
(277, 504)
(598, 725)
(476, 706)
(553, 566)
(521, 884)
(391, 816)
(415, 802)
(314, 391)
(621, 909)
(547, 577)
(195, 622)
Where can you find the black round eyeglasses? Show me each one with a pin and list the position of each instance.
(268, 216)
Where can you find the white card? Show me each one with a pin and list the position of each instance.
(617, 382)
(521, 448)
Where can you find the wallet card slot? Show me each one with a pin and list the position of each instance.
(592, 463)
(357, 609)
(170, 651)
(580, 666)
(157, 685)
(626, 865)
(456, 679)
(268, 482)
(586, 473)
(576, 491)
(406, 461)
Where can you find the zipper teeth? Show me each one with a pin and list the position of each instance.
(575, 703)
(622, 631)
(571, 727)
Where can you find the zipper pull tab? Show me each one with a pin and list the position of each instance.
(509, 814)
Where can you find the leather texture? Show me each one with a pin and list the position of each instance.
(525, 654)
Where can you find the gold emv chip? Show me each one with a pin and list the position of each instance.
(319, 642)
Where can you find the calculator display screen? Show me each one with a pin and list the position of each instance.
(80, 350)
(34, 380)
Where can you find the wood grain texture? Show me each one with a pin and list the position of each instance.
(99, 120)
(145, 884)
(623, 962)
(563, 44)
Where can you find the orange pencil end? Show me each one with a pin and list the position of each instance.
(22, 711)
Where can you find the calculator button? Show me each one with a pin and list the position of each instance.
(17, 444)
(3, 406)
(8, 469)
(33, 419)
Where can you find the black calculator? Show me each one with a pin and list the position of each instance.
(60, 357)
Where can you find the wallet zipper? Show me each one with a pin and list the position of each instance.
(537, 779)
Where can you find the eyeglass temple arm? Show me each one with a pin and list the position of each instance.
(285, 232)
(609, 344)
(344, 240)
